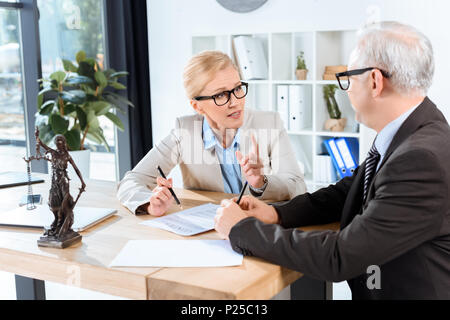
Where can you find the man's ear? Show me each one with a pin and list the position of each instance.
(195, 105)
(377, 80)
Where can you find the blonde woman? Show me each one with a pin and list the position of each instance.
(219, 148)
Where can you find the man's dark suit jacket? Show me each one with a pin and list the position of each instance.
(403, 227)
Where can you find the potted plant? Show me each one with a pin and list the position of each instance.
(301, 71)
(78, 98)
(335, 123)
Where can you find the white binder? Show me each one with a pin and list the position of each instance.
(250, 57)
(283, 104)
(300, 104)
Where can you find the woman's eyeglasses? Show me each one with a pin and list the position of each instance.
(223, 98)
(344, 80)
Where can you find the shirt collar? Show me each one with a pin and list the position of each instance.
(384, 138)
(209, 139)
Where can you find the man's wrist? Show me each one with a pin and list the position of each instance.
(276, 216)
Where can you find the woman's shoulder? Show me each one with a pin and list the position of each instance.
(188, 121)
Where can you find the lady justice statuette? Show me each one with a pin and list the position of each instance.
(61, 203)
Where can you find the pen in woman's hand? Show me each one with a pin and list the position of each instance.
(170, 189)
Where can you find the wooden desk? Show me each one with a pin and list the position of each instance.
(86, 265)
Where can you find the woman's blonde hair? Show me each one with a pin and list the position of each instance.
(201, 68)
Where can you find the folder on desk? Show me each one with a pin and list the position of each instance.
(338, 162)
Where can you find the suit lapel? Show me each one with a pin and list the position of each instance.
(353, 202)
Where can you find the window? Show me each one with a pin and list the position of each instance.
(65, 28)
(12, 123)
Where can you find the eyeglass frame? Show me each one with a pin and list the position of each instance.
(245, 84)
(358, 72)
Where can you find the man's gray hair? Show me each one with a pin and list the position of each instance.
(399, 49)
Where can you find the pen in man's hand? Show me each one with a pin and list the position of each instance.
(242, 192)
(170, 189)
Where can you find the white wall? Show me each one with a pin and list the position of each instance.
(172, 23)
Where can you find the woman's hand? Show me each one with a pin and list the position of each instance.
(258, 209)
(252, 166)
(161, 199)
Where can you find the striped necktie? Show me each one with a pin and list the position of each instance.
(371, 164)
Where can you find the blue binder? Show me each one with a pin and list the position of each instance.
(349, 151)
(338, 162)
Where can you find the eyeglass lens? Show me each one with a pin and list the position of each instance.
(223, 98)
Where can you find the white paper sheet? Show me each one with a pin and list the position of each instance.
(177, 253)
(187, 222)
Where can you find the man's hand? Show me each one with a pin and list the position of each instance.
(252, 166)
(227, 216)
(161, 199)
(258, 209)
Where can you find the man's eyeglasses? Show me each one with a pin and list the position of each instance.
(222, 98)
(344, 80)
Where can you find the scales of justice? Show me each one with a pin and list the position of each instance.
(61, 203)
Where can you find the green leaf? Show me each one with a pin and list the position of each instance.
(119, 74)
(82, 117)
(117, 99)
(54, 85)
(100, 133)
(100, 107)
(46, 133)
(69, 108)
(91, 62)
(79, 80)
(43, 91)
(101, 79)
(74, 96)
(116, 120)
(73, 139)
(109, 72)
(97, 136)
(117, 85)
(40, 100)
(85, 69)
(58, 76)
(69, 66)
(93, 136)
(47, 107)
(58, 123)
(92, 120)
(81, 55)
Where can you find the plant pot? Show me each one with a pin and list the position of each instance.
(301, 74)
(335, 125)
(82, 159)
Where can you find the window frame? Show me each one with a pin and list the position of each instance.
(30, 52)
(30, 67)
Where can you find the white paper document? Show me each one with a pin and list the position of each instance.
(187, 222)
(177, 253)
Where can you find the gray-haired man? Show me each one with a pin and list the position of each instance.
(394, 211)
